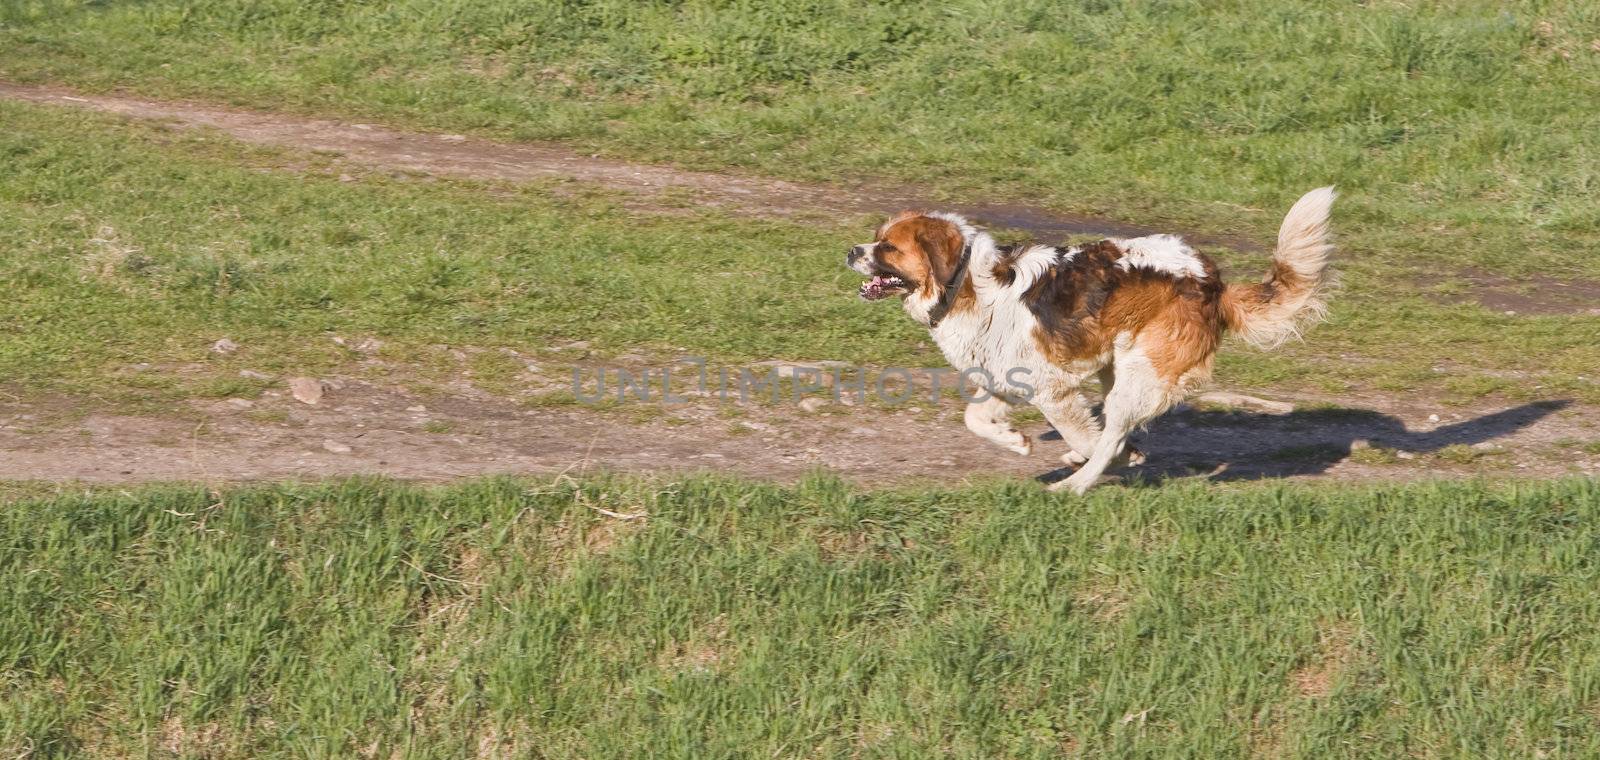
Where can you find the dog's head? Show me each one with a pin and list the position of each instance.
(911, 254)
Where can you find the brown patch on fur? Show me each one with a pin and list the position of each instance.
(1004, 271)
(1068, 300)
(1182, 336)
(925, 252)
(1279, 278)
(1084, 303)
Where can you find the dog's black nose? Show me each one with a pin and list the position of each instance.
(851, 254)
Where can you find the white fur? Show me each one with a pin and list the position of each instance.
(1138, 396)
(990, 419)
(1033, 262)
(1303, 236)
(864, 264)
(968, 230)
(1303, 246)
(1163, 253)
(998, 336)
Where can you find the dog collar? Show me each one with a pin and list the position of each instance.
(947, 298)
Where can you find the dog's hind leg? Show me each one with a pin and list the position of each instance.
(1070, 415)
(991, 420)
(1130, 455)
(1138, 395)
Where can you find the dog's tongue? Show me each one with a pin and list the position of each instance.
(873, 289)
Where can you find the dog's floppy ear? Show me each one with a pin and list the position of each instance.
(941, 242)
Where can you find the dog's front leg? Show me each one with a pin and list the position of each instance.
(991, 419)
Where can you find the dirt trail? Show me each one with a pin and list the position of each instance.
(362, 428)
(458, 156)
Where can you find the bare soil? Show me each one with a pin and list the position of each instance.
(362, 428)
(1533, 295)
(365, 428)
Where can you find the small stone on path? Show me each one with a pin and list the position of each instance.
(306, 390)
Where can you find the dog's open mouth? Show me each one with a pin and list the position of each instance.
(882, 286)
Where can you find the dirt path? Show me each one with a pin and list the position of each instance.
(458, 156)
(364, 428)
(361, 428)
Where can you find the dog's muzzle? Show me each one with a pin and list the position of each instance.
(856, 258)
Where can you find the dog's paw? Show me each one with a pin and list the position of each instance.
(1135, 457)
(1074, 483)
(1073, 459)
(1024, 448)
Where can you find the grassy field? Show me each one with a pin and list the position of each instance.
(503, 618)
(134, 245)
(717, 618)
(1462, 133)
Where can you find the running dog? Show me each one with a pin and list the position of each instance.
(1144, 315)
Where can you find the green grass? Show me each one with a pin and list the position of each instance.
(1462, 133)
(513, 618)
(133, 248)
(1374, 455)
(130, 244)
(503, 618)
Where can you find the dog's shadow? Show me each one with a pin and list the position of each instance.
(1240, 445)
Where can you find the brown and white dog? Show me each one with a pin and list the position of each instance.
(1144, 315)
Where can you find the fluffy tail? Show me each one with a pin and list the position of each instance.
(1291, 295)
